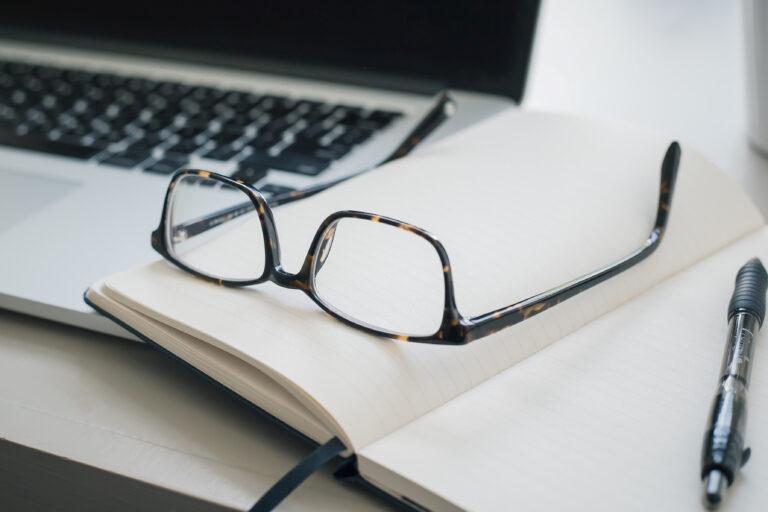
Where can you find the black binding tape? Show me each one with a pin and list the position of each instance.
(298, 474)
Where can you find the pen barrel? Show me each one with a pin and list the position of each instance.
(737, 359)
(724, 441)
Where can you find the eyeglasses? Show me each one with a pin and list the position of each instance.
(223, 231)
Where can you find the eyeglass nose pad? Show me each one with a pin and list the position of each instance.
(325, 248)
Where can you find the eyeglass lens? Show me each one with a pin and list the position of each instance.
(380, 275)
(232, 246)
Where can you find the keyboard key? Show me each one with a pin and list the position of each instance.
(235, 98)
(276, 106)
(250, 173)
(140, 146)
(101, 79)
(46, 146)
(185, 147)
(330, 152)
(305, 106)
(348, 116)
(263, 141)
(223, 153)
(276, 126)
(109, 137)
(140, 85)
(94, 142)
(190, 131)
(46, 72)
(256, 114)
(155, 124)
(153, 139)
(167, 89)
(76, 130)
(273, 190)
(125, 160)
(314, 132)
(19, 97)
(355, 136)
(190, 106)
(73, 140)
(307, 165)
(382, 117)
(223, 138)
(232, 129)
(239, 120)
(30, 128)
(165, 166)
(224, 110)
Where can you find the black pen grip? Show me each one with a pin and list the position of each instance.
(749, 293)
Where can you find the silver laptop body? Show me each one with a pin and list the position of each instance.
(78, 201)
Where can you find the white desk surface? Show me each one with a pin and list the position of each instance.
(672, 66)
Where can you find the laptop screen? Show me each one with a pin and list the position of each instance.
(465, 44)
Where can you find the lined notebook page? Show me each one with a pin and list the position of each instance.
(522, 202)
(230, 371)
(612, 416)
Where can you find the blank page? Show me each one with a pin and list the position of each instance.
(611, 417)
(522, 202)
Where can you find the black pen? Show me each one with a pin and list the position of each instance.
(723, 452)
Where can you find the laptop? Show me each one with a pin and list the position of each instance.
(98, 108)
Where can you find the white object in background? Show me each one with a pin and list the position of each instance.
(756, 32)
(674, 67)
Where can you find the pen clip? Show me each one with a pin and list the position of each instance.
(745, 456)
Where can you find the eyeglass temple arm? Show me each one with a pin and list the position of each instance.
(187, 230)
(443, 108)
(486, 324)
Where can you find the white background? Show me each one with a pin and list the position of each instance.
(673, 66)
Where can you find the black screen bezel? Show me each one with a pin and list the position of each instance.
(505, 79)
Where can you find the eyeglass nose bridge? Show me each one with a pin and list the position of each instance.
(299, 281)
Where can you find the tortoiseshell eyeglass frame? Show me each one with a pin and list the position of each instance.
(455, 329)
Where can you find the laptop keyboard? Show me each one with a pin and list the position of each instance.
(133, 122)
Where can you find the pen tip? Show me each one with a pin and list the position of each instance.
(711, 501)
(714, 486)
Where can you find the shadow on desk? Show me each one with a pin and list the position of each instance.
(32, 481)
(91, 422)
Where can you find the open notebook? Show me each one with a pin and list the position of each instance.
(611, 416)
